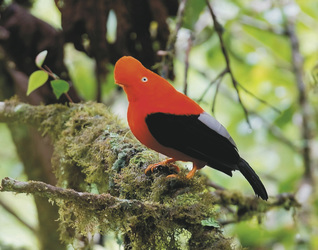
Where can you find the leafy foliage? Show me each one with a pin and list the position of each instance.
(39, 77)
(36, 80)
(39, 60)
(59, 87)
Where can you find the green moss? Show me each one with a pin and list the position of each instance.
(94, 152)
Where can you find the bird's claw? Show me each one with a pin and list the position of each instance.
(162, 163)
(189, 175)
(151, 167)
(192, 172)
(172, 176)
(177, 169)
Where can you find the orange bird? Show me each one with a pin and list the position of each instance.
(171, 123)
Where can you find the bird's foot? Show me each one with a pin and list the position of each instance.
(192, 172)
(172, 176)
(189, 175)
(162, 163)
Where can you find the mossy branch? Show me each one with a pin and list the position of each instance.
(91, 201)
(98, 157)
(100, 201)
(246, 207)
(100, 167)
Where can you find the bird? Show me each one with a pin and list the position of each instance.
(171, 123)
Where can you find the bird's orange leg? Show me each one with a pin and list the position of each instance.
(189, 175)
(192, 172)
(162, 163)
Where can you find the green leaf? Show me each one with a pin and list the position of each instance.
(59, 87)
(40, 58)
(210, 222)
(36, 80)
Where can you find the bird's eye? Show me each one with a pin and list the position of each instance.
(144, 79)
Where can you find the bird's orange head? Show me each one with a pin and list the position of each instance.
(138, 81)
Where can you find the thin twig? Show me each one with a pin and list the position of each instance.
(218, 84)
(278, 134)
(49, 72)
(259, 99)
(186, 63)
(68, 97)
(228, 222)
(55, 77)
(261, 25)
(214, 185)
(15, 215)
(168, 54)
(219, 76)
(219, 30)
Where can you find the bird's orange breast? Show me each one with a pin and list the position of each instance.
(138, 111)
(174, 103)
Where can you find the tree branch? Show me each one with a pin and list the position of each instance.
(248, 206)
(186, 63)
(307, 132)
(168, 54)
(15, 215)
(219, 30)
(226, 197)
(94, 153)
(217, 79)
(91, 201)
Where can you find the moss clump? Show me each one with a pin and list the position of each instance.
(94, 152)
(91, 147)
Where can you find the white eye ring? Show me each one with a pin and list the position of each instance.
(144, 79)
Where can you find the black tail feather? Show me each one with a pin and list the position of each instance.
(253, 179)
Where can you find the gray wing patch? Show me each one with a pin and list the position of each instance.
(212, 123)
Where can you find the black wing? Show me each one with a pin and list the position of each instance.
(203, 138)
(189, 135)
